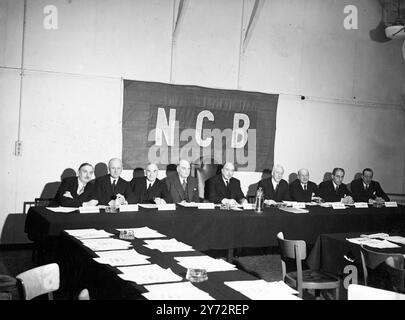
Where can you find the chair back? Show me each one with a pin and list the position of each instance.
(38, 281)
(84, 295)
(370, 260)
(396, 271)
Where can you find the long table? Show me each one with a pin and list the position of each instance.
(223, 229)
(79, 270)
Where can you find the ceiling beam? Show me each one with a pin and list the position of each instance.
(254, 16)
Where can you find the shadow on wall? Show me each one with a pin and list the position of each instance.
(100, 169)
(204, 172)
(50, 189)
(266, 173)
(138, 173)
(327, 176)
(292, 177)
(171, 170)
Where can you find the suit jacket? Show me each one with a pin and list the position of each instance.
(297, 193)
(158, 190)
(105, 193)
(362, 195)
(217, 190)
(71, 184)
(176, 189)
(281, 194)
(327, 191)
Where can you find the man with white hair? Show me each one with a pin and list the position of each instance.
(224, 188)
(275, 188)
(111, 188)
(301, 189)
(181, 186)
(149, 189)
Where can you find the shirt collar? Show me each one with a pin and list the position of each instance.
(81, 185)
(274, 182)
(182, 179)
(334, 184)
(225, 180)
(112, 180)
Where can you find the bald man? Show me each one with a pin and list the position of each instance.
(78, 191)
(275, 188)
(224, 188)
(182, 187)
(149, 189)
(301, 189)
(111, 188)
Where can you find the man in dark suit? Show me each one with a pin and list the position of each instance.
(149, 189)
(111, 189)
(78, 191)
(275, 188)
(301, 189)
(335, 190)
(224, 188)
(365, 189)
(181, 186)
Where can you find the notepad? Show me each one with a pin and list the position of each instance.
(105, 244)
(175, 291)
(205, 262)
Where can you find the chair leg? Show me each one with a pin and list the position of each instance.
(337, 293)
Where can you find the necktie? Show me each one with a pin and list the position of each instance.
(149, 186)
(184, 185)
(367, 186)
(227, 183)
(305, 187)
(276, 188)
(81, 191)
(337, 189)
(114, 184)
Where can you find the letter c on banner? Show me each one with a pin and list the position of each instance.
(198, 128)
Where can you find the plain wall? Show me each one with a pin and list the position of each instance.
(71, 107)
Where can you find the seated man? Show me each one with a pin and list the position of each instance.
(77, 191)
(335, 190)
(224, 188)
(181, 186)
(301, 189)
(275, 188)
(111, 188)
(366, 189)
(149, 189)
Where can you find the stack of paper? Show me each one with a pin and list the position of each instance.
(62, 209)
(175, 291)
(151, 273)
(375, 235)
(121, 258)
(170, 245)
(205, 262)
(144, 232)
(106, 244)
(89, 233)
(262, 290)
(375, 243)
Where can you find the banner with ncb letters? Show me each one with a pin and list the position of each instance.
(163, 123)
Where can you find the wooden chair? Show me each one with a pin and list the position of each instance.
(39, 281)
(84, 295)
(396, 271)
(303, 279)
(371, 260)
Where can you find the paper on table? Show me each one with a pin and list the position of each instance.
(295, 210)
(144, 232)
(205, 262)
(105, 244)
(122, 260)
(148, 205)
(62, 209)
(89, 233)
(148, 274)
(375, 235)
(188, 204)
(396, 239)
(175, 291)
(375, 243)
(170, 245)
(263, 290)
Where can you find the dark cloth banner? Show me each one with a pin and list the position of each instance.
(164, 123)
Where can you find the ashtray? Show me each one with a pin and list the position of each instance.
(196, 275)
(111, 209)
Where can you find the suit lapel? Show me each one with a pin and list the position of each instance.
(178, 186)
(75, 186)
